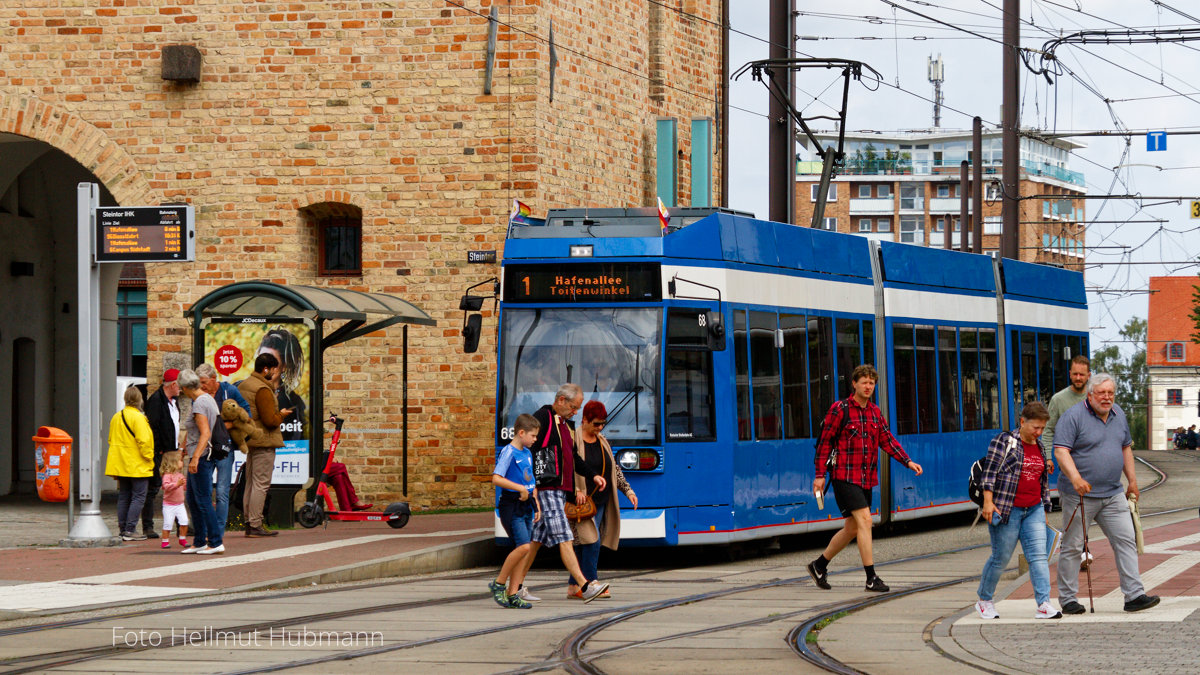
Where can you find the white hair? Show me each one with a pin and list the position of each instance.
(569, 392)
(206, 371)
(1098, 379)
(188, 380)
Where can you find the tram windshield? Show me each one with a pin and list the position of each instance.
(612, 354)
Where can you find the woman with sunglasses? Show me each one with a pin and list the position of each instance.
(603, 529)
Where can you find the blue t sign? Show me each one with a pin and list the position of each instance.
(1156, 141)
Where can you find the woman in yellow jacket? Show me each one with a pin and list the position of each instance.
(130, 461)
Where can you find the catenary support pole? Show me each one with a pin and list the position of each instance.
(1011, 124)
(976, 243)
(781, 146)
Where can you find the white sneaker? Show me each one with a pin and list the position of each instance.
(193, 549)
(525, 595)
(211, 550)
(987, 610)
(594, 590)
(1047, 611)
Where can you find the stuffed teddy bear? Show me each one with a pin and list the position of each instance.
(242, 428)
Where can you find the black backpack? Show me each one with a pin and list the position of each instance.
(220, 444)
(832, 459)
(975, 482)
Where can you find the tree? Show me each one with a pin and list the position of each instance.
(1195, 315)
(1131, 377)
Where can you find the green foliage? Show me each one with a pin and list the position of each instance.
(1131, 377)
(1195, 315)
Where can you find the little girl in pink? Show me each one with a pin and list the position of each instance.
(174, 483)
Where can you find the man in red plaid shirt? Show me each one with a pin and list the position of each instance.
(855, 472)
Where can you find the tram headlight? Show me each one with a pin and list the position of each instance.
(638, 460)
(628, 459)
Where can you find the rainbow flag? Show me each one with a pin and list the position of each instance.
(520, 213)
(663, 216)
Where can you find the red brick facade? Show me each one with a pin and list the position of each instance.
(380, 106)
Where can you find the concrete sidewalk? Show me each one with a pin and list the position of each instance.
(940, 631)
(37, 577)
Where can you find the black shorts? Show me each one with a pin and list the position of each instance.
(851, 497)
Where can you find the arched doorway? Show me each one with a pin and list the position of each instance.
(38, 294)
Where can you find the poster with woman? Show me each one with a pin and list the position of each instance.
(232, 346)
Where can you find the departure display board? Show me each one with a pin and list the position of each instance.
(583, 282)
(145, 234)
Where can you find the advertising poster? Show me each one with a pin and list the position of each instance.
(232, 346)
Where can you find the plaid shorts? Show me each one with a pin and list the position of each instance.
(552, 528)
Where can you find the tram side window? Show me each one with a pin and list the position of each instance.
(948, 377)
(968, 339)
(741, 362)
(906, 378)
(1077, 347)
(989, 378)
(1061, 362)
(927, 391)
(848, 354)
(689, 376)
(795, 376)
(764, 370)
(820, 367)
(1029, 381)
(1046, 362)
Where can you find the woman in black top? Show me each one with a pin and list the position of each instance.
(603, 529)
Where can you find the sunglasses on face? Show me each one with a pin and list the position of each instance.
(599, 423)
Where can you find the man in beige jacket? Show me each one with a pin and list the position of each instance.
(259, 392)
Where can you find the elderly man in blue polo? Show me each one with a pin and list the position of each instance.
(1093, 447)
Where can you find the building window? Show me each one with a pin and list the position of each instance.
(131, 332)
(830, 224)
(338, 229)
(943, 191)
(939, 225)
(912, 230)
(883, 191)
(884, 225)
(830, 196)
(1174, 397)
(1175, 351)
(864, 191)
(912, 196)
(993, 224)
(864, 224)
(993, 191)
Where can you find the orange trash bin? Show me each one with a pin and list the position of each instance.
(52, 449)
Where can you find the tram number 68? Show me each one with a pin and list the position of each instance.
(506, 433)
(702, 319)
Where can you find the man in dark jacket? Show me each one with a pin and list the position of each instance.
(162, 409)
(1191, 437)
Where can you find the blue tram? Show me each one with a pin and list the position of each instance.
(718, 345)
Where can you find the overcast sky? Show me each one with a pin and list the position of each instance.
(1164, 80)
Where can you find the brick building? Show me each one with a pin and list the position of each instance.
(1172, 358)
(349, 145)
(905, 187)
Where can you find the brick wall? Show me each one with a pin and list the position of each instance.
(378, 105)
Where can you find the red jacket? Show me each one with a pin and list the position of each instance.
(858, 443)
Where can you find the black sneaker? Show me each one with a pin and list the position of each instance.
(818, 577)
(1141, 602)
(876, 584)
(1073, 607)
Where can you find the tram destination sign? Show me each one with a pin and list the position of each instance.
(145, 234)
(583, 282)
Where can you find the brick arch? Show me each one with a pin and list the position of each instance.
(80, 140)
(323, 196)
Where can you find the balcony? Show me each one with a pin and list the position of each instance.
(863, 207)
(1050, 171)
(947, 205)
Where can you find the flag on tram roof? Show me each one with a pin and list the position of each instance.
(663, 216)
(520, 213)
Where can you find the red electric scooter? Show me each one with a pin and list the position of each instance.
(319, 510)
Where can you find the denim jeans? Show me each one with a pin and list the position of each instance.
(199, 501)
(1028, 524)
(589, 554)
(224, 476)
(131, 496)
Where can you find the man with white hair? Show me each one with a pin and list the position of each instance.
(1093, 447)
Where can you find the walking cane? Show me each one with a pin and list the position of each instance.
(1087, 554)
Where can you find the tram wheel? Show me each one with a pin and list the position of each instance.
(400, 508)
(310, 515)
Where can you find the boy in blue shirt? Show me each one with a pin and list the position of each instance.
(514, 476)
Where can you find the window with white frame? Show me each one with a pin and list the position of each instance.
(1174, 397)
(943, 191)
(993, 224)
(831, 195)
(864, 225)
(883, 225)
(912, 229)
(939, 225)
(883, 190)
(1175, 351)
(912, 196)
(864, 191)
(831, 224)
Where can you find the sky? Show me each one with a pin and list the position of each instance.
(1123, 88)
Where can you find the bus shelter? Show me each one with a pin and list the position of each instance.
(232, 325)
